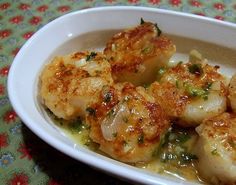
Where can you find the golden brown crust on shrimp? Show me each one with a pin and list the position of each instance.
(69, 82)
(170, 98)
(216, 149)
(190, 93)
(135, 54)
(129, 126)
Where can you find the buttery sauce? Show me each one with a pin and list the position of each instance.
(176, 156)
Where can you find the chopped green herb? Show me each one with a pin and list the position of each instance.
(205, 96)
(141, 139)
(180, 62)
(114, 134)
(207, 86)
(142, 21)
(125, 143)
(146, 50)
(177, 84)
(195, 91)
(91, 111)
(87, 142)
(111, 113)
(179, 137)
(91, 56)
(126, 98)
(214, 152)
(187, 157)
(195, 69)
(146, 85)
(76, 125)
(158, 30)
(164, 140)
(107, 96)
(198, 92)
(163, 143)
(161, 72)
(182, 137)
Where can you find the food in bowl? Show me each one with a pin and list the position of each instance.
(144, 122)
(69, 82)
(135, 54)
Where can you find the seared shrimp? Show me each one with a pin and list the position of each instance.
(127, 123)
(190, 92)
(69, 82)
(136, 54)
(216, 149)
(232, 92)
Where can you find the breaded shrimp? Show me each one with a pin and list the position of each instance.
(136, 54)
(69, 82)
(216, 149)
(127, 123)
(190, 92)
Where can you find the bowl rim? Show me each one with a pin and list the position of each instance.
(103, 163)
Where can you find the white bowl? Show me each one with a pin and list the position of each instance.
(61, 36)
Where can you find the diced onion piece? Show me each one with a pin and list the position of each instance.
(111, 124)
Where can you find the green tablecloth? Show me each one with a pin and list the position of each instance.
(24, 158)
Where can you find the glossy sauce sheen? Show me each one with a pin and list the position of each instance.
(170, 160)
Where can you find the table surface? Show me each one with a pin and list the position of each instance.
(24, 158)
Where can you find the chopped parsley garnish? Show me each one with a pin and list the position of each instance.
(187, 157)
(177, 84)
(174, 148)
(91, 111)
(196, 92)
(179, 137)
(114, 134)
(180, 62)
(160, 72)
(146, 50)
(107, 97)
(76, 125)
(146, 86)
(111, 113)
(207, 86)
(125, 143)
(158, 30)
(142, 21)
(91, 56)
(195, 69)
(141, 139)
(182, 137)
(214, 152)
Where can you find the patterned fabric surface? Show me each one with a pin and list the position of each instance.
(24, 158)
